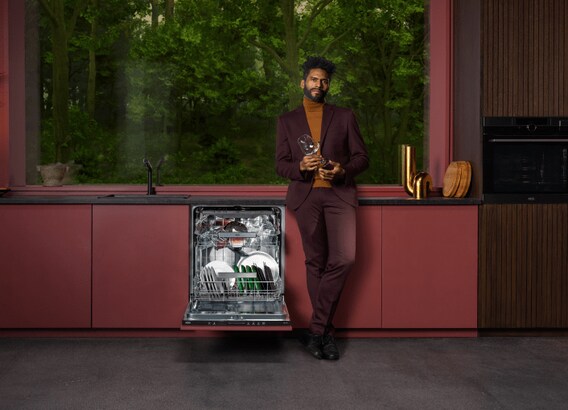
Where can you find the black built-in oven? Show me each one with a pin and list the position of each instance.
(525, 159)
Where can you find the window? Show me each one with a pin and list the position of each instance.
(204, 96)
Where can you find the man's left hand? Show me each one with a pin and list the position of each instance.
(335, 171)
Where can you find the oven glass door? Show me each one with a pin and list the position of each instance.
(526, 166)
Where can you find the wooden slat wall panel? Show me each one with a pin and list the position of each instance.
(523, 266)
(525, 64)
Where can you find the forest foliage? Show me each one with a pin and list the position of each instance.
(201, 82)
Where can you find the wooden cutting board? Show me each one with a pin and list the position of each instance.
(465, 179)
(451, 180)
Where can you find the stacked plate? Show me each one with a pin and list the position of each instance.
(218, 276)
(457, 179)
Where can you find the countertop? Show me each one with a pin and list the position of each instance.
(135, 199)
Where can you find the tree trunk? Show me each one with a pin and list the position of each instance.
(61, 30)
(60, 72)
(155, 13)
(169, 14)
(91, 82)
(291, 40)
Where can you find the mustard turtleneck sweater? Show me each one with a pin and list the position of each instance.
(314, 115)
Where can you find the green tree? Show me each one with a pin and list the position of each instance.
(89, 53)
(63, 17)
(382, 76)
(283, 29)
(203, 81)
(199, 84)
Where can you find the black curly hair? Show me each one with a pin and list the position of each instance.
(318, 62)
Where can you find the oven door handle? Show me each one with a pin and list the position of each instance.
(528, 140)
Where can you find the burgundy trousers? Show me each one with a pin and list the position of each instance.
(328, 228)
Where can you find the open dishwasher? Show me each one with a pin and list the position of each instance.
(237, 267)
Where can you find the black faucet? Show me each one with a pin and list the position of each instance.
(151, 189)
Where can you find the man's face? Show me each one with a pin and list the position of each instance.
(316, 85)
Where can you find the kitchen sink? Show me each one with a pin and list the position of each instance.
(143, 197)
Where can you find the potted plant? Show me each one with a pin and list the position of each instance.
(52, 174)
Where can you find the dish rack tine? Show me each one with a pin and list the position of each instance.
(203, 279)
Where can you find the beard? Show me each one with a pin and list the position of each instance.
(316, 98)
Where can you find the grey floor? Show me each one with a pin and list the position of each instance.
(257, 371)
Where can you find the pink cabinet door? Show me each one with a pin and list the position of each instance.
(140, 265)
(296, 293)
(45, 273)
(429, 267)
(360, 304)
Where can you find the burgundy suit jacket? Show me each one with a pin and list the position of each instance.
(340, 141)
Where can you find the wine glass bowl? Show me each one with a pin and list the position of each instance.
(307, 144)
(309, 147)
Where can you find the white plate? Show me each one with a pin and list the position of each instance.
(220, 266)
(205, 280)
(259, 259)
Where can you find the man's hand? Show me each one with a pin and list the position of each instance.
(310, 162)
(335, 171)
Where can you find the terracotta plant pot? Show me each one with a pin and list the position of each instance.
(52, 174)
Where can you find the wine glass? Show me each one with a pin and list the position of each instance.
(309, 147)
(307, 144)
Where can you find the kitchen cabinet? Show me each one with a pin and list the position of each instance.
(360, 303)
(296, 292)
(523, 266)
(140, 265)
(429, 267)
(127, 266)
(45, 279)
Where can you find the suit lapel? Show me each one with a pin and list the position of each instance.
(302, 121)
(326, 120)
(328, 111)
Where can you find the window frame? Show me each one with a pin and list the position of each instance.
(13, 114)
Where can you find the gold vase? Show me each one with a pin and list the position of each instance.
(422, 184)
(408, 153)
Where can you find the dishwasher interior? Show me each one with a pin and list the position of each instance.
(237, 266)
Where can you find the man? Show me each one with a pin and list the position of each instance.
(323, 198)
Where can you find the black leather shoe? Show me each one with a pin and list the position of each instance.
(313, 345)
(329, 348)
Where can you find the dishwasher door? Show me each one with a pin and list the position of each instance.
(237, 276)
